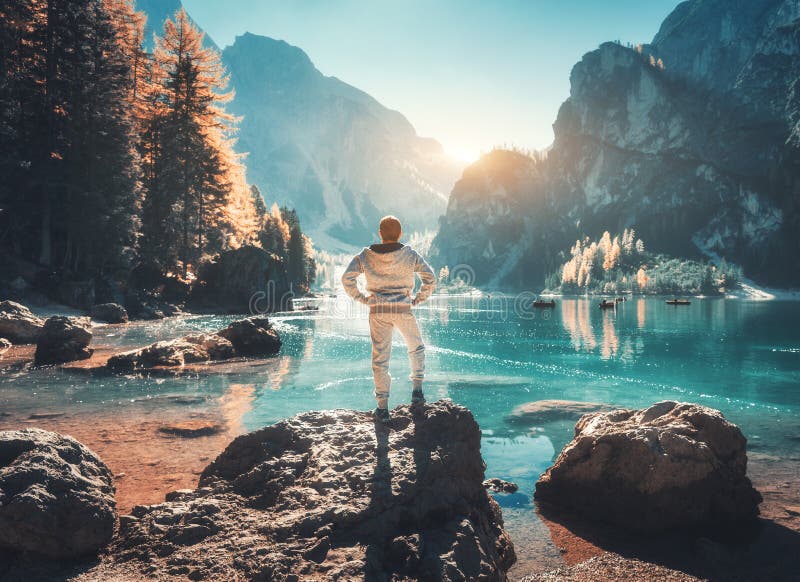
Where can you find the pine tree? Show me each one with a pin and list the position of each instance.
(193, 163)
(62, 101)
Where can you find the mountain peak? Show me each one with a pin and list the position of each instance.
(265, 47)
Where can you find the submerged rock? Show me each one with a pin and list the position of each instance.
(192, 428)
(110, 313)
(249, 337)
(63, 339)
(497, 485)
(669, 465)
(332, 495)
(56, 496)
(18, 324)
(541, 411)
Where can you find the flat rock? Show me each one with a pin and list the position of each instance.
(331, 495)
(611, 566)
(188, 350)
(249, 337)
(56, 496)
(110, 313)
(542, 411)
(18, 324)
(191, 428)
(63, 339)
(666, 466)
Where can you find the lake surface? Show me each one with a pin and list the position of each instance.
(490, 354)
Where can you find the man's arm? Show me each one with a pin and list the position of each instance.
(428, 278)
(351, 273)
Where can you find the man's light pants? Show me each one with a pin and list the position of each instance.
(381, 328)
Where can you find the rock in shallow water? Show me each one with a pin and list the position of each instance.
(254, 336)
(326, 495)
(669, 465)
(543, 411)
(18, 324)
(63, 339)
(249, 337)
(110, 313)
(56, 496)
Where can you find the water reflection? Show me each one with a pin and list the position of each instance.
(640, 313)
(577, 322)
(610, 343)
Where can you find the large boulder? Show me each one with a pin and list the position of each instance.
(669, 465)
(63, 339)
(110, 313)
(18, 324)
(56, 496)
(332, 495)
(243, 280)
(254, 336)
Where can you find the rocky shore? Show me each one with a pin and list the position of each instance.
(325, 494)
(319, 496)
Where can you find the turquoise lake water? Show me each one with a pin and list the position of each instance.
(742, 357)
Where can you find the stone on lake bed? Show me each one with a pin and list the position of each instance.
(543, 411)
(497, 485)
(650, 470)
(192, 428)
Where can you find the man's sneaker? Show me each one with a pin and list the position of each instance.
(381, 414)
(417, 398)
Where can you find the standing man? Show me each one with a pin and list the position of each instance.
(389, 268)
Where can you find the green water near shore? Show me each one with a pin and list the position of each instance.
(742, 357)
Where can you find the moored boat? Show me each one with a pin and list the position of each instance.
(678, 302)
(540, 303)
(607, 304)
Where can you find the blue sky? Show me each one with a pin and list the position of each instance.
(471, 73)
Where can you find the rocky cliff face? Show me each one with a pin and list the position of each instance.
(330, 150)
(701, 155)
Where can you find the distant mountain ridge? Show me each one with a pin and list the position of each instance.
(329, 149)
(702, 156)
(323, 147)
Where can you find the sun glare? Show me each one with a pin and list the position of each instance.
(464, 154)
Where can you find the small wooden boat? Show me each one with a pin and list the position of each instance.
(608, 304)
(620, 299)
(541, 304)
(678, 302)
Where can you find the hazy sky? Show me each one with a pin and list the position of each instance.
(471, 73)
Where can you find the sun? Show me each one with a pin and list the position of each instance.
(463, 154)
